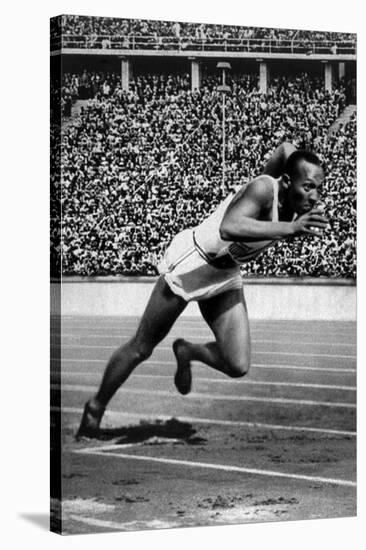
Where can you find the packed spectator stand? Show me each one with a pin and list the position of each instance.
(83, 32)
(139, 166)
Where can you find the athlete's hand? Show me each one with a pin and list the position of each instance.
(311, 223)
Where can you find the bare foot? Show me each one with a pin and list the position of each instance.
(183, 375)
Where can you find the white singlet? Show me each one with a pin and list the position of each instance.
(198, 264)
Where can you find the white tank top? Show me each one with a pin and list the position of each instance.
(215, 250)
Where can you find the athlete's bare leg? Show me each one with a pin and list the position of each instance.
(162, 310)
(226, 314)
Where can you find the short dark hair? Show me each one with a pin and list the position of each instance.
(296, 157)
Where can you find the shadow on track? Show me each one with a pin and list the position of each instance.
(159, 430)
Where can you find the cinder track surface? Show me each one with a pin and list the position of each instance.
(279, 444)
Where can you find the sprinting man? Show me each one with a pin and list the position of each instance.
(203, 264)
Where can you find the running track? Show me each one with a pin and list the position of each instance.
(279, 444)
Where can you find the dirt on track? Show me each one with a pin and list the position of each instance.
(109, 493)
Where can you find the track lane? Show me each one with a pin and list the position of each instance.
(228, 433)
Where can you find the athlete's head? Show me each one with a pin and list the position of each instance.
(303, 176)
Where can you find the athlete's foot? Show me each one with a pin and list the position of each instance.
(91, 419)
(183, 375)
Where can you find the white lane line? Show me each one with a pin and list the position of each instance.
(224, 381)
(210, 396)
(254, 365)
(202, 325)
(167, 348)
(204, 328)
(222, 467)
(95, 522)
(198, 320)
(206, 337)
(137, 525)
(183, 319)
(234, 423)
(279, 326)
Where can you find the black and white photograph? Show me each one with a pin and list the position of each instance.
(203, 337)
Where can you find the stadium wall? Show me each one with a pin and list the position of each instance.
(269, 299)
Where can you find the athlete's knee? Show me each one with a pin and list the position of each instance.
(139, 350)
(239, 367)
(238, 371)
(143, 351)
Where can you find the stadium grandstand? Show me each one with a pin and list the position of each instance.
(141, 111)
(75, 31)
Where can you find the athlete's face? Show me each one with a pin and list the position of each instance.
(304, 189)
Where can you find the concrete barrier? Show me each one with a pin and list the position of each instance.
(282, 299)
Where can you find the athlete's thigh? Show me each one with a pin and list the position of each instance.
(162, 310)
(226, 315)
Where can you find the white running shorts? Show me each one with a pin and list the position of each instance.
(190, 276)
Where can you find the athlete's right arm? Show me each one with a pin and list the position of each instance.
(241, 221)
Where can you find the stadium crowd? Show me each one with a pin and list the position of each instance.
(109, 32)
(139, 166)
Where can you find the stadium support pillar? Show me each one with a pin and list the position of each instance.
(195, 74)
(341, 70)
(126, 73)
(263, 76)
(328, 74)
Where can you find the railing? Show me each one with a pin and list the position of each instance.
(187, 44)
